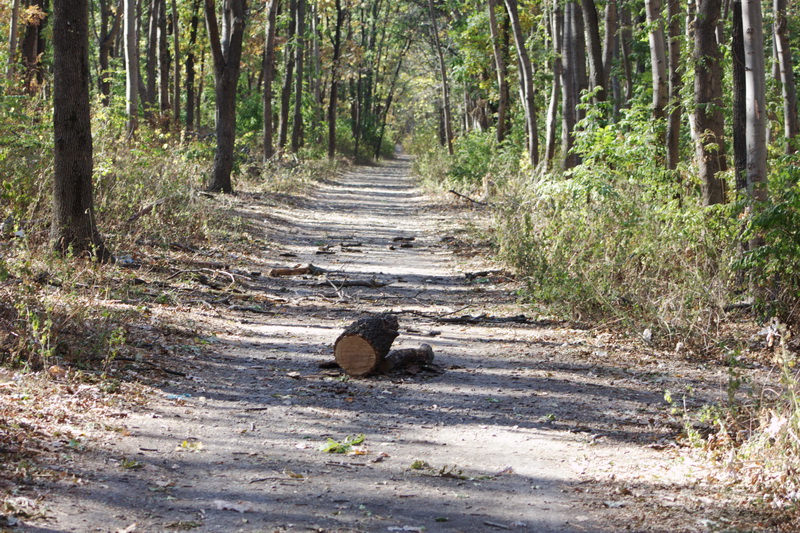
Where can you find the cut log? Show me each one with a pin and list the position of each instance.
(361, 348)
(408, 356)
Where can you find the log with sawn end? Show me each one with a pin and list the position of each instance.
(363, 345)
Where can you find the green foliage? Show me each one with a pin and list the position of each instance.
(774, 265)
(346, 446)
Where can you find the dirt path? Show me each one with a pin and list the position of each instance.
(531, 426)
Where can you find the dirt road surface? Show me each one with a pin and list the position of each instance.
(529, 424)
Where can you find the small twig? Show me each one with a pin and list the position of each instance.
(467, 197)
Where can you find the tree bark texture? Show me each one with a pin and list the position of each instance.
(150, 95)
(448, 121)
(739, 112)
(658, 57)
(13, 29)
(288, 77)
(526, 82)
(710, 122)
(674, 33)
(333, 99)
(227, 55)
(73, 227)
(190, 63)
(105, 45)
(360, 349)
(755, 91)
(501, 70)
(570, 88)
(595, 49)
(299, 55)
(176, 61)
(791, 127)
(556, 25)
(269, 78)
(131, 66)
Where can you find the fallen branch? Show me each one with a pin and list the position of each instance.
(485, 319)
(478, 202)
(297, 271)
(147, 209)
(370, 284)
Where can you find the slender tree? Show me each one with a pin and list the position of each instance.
(739, 112)
(658, 57)
(12, 39)
(269, 78)
(131, 66)
(33, 45)
(299, 52)
(595, 49)
(526, 81)
(791, 125)
(190, 63)
(227, 54)
(755, 90)
(73, 227)
(709, 119)
(110, 22)
(674, 33)
(448, 122)
(176, 60)
(501, 69)
(333, 99)
(556, 24)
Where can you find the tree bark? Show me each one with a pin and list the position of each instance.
(131, 67)
(526, 81)
(755, 88)
(33, 47)
(288, 77)
(501, 70)
(13, 29)
(570, 88)
(190, 62)
(105, 44)
(658, 57)
(269, 78)
(675, 83)
(299, 51)
(360, 349)
(609, 45)
(556, 25)
(595, 50)
(739, 100)
(791, 127)
(150, 94)
(626, 45)
(448, 122)
(333, 99)
(227, 55)
(163, 62)
(710, 122)
(73, 228)
(176, 61)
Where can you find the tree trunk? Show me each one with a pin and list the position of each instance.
(556, 25)
(333, 100)
(176, 60)
(163, 62)
(288, 77)
(150, 94)
(502, 74)
(526, 82)
(360, 349)
(626, 44)
(33, 47)
(227, 56)
(675, 84)
(595, 49)
(131, 67)
(755, 88)
(610, 40)
(739, 100)
(190, 61)
(299, 51)
(448, 122)
(12, 39)
(73, 229)
(658, 57)
(710, 122)
(269, 78)
(105, 44)
(570, 90)
(784, 53)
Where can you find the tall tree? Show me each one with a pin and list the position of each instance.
(333, 98)
(150, 94)
(12, 38)
(176, 77)
(570, 84)
(526, 81)
(739, 112)
(595, 49)
(501, 69)
(448, 121)
(556, 23)
(110, 21)
(674, 33)
(73, 227)
(299, 52)
(791, 125)
(288, 77)
(34, 43)
(269, 78)
(227, 54)
(190, 63)
(131, 66)
(755, 88)
(710, 121)
(658, 57)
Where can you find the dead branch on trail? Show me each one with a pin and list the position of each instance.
(297, 271)
(478, 202)
(485, 319)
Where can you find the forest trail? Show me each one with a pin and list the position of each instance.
(530, 426)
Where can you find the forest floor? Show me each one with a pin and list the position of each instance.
(524, 423)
